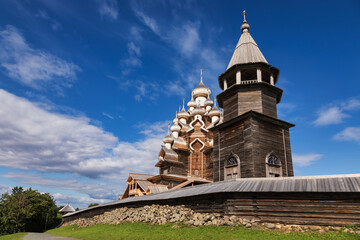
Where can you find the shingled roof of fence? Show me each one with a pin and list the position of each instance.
(330, 183)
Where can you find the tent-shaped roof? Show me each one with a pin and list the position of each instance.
(67, 209)
(246, 51)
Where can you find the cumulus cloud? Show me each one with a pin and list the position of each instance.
(76, 201)
(4, 189)
(108, 9)
(349, 134)
(30, 66)
(303, 160)
(336, 113)
(93, 189)
(35, 139)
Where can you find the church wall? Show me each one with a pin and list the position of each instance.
(251, 139)
(208, 174)
(249, 100)
(267, 138)
(178, 170)
(269, 103)
(230, 108)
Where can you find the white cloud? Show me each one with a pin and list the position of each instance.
(135, 33)
(147, 20)
(186, 39)
(352, 104)
(303, 160)
(76, 201)
(335, 114)
(107, 115)
(93, 189)
(35, 139)
(5, 189)
(349, 134)
(108, 9)
(33, 67)
(55, 25)
(133, 59)
(332, 115)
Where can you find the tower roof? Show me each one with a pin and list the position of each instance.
(67, 209)
(246, 51)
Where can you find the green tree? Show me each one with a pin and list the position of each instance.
(26, 210)
(93, 204)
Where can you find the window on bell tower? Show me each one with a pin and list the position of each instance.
(273, 166)
(232, 167)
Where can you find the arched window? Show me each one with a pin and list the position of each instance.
(273, 166)
(232, 167)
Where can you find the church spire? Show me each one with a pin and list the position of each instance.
(246, 51)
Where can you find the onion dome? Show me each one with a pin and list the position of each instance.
(245, 26)
(183, 113)
(176, 120)
(201, 90)
(208, 102)
(175, 128)
(214, 112)
(168, 139)
(191, 103)
(197, 111)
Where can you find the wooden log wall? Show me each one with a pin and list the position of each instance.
(335, 209)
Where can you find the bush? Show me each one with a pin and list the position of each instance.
(26, 211)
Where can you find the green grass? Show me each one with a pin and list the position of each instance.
(143, 231)
(14, 236)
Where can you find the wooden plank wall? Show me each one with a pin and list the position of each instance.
(335, 209)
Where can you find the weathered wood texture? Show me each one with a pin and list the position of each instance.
(252, 139)
(289, 208)
(259, 97)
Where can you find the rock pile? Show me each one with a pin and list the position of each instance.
(162, 214)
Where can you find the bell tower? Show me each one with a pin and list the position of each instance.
(251, 141)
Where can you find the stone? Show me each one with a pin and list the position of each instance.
(245, 221)
(278, 226)
(248, 225)
(315, 228)
(269, 225)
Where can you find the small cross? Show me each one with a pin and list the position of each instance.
(244, 13)
(201, 70)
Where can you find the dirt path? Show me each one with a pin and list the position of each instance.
(44, 236)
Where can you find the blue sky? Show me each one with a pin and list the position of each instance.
(87, 87)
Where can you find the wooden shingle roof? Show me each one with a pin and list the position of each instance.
(67, 209)
(246, 51)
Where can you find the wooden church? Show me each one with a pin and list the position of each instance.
(245, 140)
